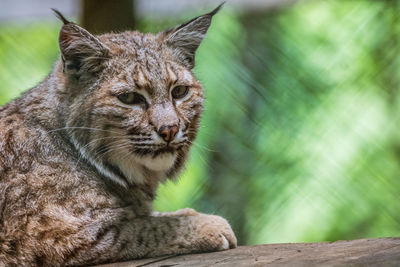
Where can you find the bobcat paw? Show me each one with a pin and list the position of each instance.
(212, 233)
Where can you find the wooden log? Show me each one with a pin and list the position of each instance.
(363, 252)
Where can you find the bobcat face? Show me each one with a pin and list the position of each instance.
(141, 100)
(147, 103)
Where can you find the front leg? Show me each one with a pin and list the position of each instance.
(181, 232)
(194, 232)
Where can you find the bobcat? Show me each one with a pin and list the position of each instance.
(81, 154)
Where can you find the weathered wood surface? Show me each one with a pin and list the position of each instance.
(364, 252)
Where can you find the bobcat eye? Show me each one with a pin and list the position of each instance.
(179, 91)
(132, 99)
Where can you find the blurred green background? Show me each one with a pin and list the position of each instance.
(299, 140)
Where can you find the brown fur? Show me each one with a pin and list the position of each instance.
(79, 168)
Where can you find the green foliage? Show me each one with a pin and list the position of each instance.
(26, 55)
(299, 140)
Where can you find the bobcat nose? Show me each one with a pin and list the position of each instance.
(168, 133)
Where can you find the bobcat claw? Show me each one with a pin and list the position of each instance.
(225, 243)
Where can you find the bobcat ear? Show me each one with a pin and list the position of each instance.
(81, 52)
(186, 38)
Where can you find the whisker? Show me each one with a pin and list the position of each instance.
(103, 138)
(121, 137)
(140, 135)
(110, 149)
(85, 146)
(181, 142)
(201, 146)
(141, 139)
(82, 128)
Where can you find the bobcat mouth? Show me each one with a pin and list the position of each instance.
(157, 151)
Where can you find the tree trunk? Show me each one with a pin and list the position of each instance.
(100, 16)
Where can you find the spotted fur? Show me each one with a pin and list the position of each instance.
(79, 167)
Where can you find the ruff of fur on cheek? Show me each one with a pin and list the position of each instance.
(100, 166)
(86, 153)
(130, 168)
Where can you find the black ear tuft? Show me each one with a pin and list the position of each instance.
(215, 11)
(60, 16)
(186, 38)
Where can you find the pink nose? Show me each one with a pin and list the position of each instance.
(168, 133)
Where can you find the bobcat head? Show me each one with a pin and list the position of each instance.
(131, 103)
